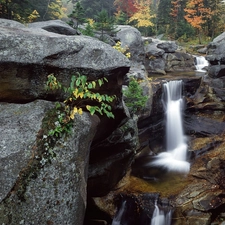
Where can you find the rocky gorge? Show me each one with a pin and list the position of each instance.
(102, 162)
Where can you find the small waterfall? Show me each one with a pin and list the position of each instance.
(174, 159)
(118, 217)
(161, 217)
(200, 63)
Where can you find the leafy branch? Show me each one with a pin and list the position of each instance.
(81, 95)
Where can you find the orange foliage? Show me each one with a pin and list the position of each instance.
(197, 13)
(175, 8)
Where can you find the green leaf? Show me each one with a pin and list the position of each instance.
(90, 86)
(100, 82)
(93, 84)
(78, 81)
(72, 82)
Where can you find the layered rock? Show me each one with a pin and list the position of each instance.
(163, 56)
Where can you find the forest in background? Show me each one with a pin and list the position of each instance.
(182, 20)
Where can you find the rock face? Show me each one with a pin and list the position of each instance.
(32, 188)
(54, 26)
(162, 57)
(131, 38)
(54, 191)
(28, 55)
(216, 56)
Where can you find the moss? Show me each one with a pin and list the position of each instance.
(42, 153)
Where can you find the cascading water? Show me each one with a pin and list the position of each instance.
(175, 157)
(118, 217)
(161, 217)
(201, 63)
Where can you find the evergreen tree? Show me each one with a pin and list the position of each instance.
(104, 24)
(121, 17)
(92, 8)
(88, 31)
(77, 15)
(163, 17)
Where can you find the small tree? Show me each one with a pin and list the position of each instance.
(88, 31)
(104, 24)
(134, 98)
(77, 15)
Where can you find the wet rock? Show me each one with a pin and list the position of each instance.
(216, 71)
(136, 209)
(199, 125)
(111, 158)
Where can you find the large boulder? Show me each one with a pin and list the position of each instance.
(167, 46)
(216, 56)
(42, 184)
(28, 55)
(54, 26)
(131, 38)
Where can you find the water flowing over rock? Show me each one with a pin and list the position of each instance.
(174, 159)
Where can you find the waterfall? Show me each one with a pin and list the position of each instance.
(174, 159)
(201, 63)
(118, 217)
(161, 217)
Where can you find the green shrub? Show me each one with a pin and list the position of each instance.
(134, 98)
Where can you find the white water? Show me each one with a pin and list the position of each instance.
(201, 63)
(174, 159)
(159, 217)
(118, 217)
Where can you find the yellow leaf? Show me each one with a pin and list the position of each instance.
(81, 95)
(80, 111)
(75, 93)
(75, 110)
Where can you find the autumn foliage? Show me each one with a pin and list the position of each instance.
(143, 14)
(127, 6)
(196, 13)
